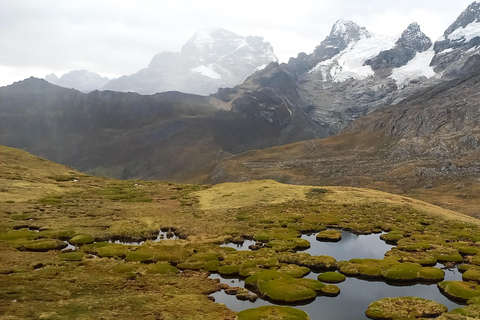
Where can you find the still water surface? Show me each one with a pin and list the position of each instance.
(356, 294)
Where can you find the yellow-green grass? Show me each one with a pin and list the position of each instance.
(76, 284)
(273, 313)
(404, 308)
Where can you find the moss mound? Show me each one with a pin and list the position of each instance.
(390, 270)
(289, 244)
(283, 288)
(106, 249)
(329, 235)
(273, 313)
(404, 308)
(42, 245)
(391, 237)
(459, 290)
(469, 312)
(420, 257)
(290, 290)
(330, 290)
(71, 256)
(162, 268)
(306, 260)
(18, 234)
(471, 275)
(294, 271)
(158, 253)
(331, 277)
(82, 239)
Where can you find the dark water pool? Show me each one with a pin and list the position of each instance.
(351, 246)
(356, 294)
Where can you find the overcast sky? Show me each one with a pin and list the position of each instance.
(118, 37)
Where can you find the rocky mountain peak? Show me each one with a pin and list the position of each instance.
(453, 48)
(468, 16)
(209, 44)
(211, 59)
(348, 30)
(414, 38)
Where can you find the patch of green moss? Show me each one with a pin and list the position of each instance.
(71, 256)
(51, 200)
(289, 244)
(329, 235)
(465, 267)
(229, 270)
(472, 312)
(289, 290)
(391, 237)
(106, 249)
(212, 266)
(459, 290)
(431, 274)
(82, 239)
(446, 254)
(18, 234)
(158, 253)
(22, 216)
(330, 290)
(294, 270)
(390, 270)
(331, 277)
(256, 279)
(421, 257)
(471, 275)
(124, 268)
(42, 245)
(162, 268)
(403, 272)
(306, 260)
(273, 312)
(404, 308)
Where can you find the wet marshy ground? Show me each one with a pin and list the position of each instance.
(355, 293)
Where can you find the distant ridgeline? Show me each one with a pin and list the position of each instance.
(181, 136)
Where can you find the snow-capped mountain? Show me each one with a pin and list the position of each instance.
(364, 54)
(459, 42)
(211, 59)
(81, 80)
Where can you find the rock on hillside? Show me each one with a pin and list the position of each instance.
(211, 59)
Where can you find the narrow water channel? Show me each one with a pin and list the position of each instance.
(356, 294)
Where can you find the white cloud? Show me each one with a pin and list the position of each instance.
(120, 37)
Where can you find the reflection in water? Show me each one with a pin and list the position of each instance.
(162, 235)
(351, 246)
(242, 246)
(356, 294)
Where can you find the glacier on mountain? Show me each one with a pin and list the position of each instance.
(467, 33)
(350, 63)
(418, 67)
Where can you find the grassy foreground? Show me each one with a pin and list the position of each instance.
(43, 205)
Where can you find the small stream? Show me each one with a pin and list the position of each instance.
(356, 294)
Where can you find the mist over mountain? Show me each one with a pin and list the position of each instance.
(172, 135)
(211, 59)
(81, 80)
